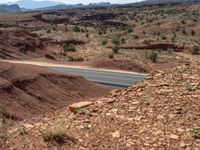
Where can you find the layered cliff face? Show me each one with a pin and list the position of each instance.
(9, 8)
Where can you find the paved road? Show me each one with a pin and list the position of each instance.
(111, 79)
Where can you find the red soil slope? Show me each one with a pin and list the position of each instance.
(28, 91)
(20, 44)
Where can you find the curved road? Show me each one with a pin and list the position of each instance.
(111, 79)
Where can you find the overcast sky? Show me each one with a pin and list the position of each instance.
(81, 1)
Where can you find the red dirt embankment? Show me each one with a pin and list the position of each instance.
(121, 65)
(28, 91)
(20, 44)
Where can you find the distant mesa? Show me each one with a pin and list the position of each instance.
(9, 8)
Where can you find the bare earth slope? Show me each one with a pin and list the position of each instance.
(162, 112)
(20, 44)
(27, 91)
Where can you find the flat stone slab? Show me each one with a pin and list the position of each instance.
(74, 107)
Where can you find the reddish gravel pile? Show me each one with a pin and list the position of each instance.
(27, 91)
(162, 112)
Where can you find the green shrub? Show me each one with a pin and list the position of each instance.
(163, 37)
(116, 42)
(75, 59)
(104, 42)
(195, 133)
(115, 49)
(183, 22)
(22, 130)
(77, 29)
(48, 31)
(188, 87)
(69, 47)
(195, 50)
(123, 41)
(111, 56)
(192, 32)
(173, 39)
(153, 56)
(135, 36)
(23, 49)
(146, 42)
(184, 31)
(129, 29)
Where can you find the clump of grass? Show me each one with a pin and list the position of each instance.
(80, 111)
(22, 130)
(188, 87)
(55, 132)
(195, 133)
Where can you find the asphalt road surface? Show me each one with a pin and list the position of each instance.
(110, 79)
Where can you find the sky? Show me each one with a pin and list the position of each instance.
(81, 1)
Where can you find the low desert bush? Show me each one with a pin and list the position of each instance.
(153, 56)
(104, 42)
(115, 49)
(75, 59)
(195, 50)
(111, 56)
(146, 42)
(77, 29)
(116, 42)
(69, 47)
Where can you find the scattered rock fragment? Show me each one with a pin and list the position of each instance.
(174, 137)
(74, 107)
(116, 134)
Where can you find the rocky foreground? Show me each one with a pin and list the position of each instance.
(162, 112)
